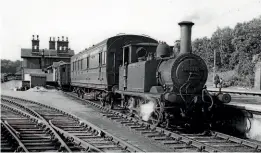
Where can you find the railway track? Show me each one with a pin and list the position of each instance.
(71, 128)
(30, 134)
(175, 139)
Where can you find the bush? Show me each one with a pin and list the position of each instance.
(241, 81)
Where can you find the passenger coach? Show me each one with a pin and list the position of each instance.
(96, 69)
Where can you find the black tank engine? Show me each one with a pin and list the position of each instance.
(147, 78)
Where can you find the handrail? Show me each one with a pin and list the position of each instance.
(15, 136)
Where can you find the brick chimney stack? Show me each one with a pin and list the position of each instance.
(52, 43)
(35, 44)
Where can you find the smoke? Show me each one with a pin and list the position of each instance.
(147, 109)
(255, 128)
(200, 17)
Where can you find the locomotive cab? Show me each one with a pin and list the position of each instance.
(133, 53)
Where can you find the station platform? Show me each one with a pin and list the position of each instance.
(249, 102)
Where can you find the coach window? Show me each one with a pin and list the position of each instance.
(100, 58)
(104, 58)
(78, 65)
(88, 62)
(81, 64)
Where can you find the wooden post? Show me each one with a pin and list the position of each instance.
(214, 68)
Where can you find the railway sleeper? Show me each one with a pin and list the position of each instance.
(31, 138)
(49, 143)
(102, 142)
(155, 135)
(238, 149)
(36, 140)
(83, 134)
(31, 132)
(70, 126)
(24, 126)
(80, 129)
(42, 148)
(110, 150)
(7, 149)
(187, 150)
(24, 135)
(84, 137)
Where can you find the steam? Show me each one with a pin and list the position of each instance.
(200, 17)
(147, 109)
(255, 128)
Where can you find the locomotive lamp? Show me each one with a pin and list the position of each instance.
(185, 35)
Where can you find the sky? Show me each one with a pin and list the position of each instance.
(87, 22)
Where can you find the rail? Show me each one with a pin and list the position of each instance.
(20, 144)
(78, 141)
(81, 121)
(40, 121)
(186, 139)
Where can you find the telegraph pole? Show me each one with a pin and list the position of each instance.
(214, 68)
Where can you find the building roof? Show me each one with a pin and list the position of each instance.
(39, 75)
(33, 71)
(27, 52)
(56, 64)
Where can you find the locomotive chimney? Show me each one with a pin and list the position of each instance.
(185, 36)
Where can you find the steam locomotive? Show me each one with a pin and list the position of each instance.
(147, 78)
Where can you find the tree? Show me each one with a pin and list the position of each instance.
(8, 66)
(221, 42)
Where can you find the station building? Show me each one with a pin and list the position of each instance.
(35, 61)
